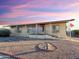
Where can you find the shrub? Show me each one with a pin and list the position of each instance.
(4, 32)
(76, 32)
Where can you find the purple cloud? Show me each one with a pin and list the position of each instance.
(13, 9)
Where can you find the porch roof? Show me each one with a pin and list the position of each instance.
(41, 21)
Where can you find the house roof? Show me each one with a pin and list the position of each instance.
(38, 21)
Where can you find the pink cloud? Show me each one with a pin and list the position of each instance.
(39, 4)
(72, 6)
(16, 10)
(17, 13)
(48, 4)
(57, 16)
(4, 23)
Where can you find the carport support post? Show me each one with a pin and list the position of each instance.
(17, 28)
(36, 28)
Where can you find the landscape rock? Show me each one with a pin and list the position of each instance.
(46, 46)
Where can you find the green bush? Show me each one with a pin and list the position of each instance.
(4, 32)
(76, 32)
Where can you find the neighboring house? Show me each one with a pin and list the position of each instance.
(53, 28)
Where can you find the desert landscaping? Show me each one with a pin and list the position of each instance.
(26, 49)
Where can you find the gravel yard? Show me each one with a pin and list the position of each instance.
(26, 49)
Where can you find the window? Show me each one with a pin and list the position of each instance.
(55, 28)
(31, 29)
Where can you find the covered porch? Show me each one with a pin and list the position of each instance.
(41, 31)
(36, 29)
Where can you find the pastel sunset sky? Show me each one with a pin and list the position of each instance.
(17, 11)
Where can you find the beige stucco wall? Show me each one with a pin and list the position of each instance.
(62, 30)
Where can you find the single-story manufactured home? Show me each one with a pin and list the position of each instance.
(53, 28)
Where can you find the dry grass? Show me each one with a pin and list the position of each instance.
(26, 50)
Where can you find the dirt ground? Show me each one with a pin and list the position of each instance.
(26, 49)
